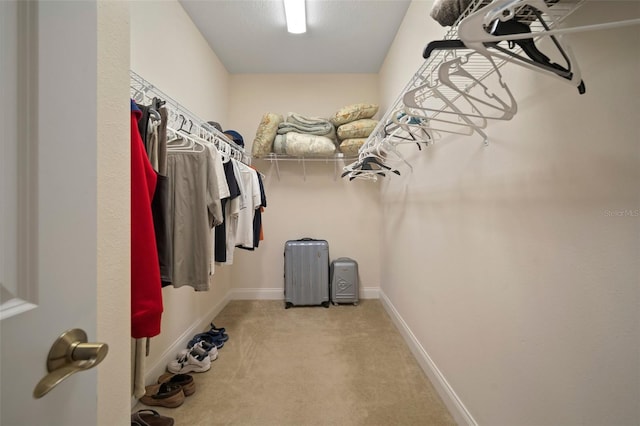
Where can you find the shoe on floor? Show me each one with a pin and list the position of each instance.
(190, 362)
(211, 338)
(150, 418)
(207, 348)
(202, 347)
(215, 329)
(163, 395)
(184, 380)
(219, 335)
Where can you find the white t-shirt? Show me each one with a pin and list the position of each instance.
(232, 212)
(252, 201)
(223, 192)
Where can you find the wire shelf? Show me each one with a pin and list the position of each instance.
(180, 118)
(426, 108)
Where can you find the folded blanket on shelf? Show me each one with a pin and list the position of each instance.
(304, 145)
(447, 12)
(308, 125)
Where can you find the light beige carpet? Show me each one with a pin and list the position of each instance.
(345, 365)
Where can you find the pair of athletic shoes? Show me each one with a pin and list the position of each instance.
(196, 359)
(201, 350)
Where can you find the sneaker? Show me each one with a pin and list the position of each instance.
(214, 339)
(189, 362)
(202, 347)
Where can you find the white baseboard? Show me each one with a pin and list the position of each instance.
(370, 292)
(457, 409)
(257, 294)
(278, 293)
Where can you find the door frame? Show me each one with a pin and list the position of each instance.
(114, 212)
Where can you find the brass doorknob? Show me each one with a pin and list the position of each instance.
(69, 354)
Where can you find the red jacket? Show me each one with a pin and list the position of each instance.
(146, 288)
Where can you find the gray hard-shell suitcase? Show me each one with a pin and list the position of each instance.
(306, 272)
(344, 281)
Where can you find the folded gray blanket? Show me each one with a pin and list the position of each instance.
(308, 125)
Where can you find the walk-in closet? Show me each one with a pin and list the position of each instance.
(492, 210)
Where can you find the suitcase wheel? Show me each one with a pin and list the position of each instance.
(325, 304)
(287, 305)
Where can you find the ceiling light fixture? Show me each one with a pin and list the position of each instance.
(295, 15)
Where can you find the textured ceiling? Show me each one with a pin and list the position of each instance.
(343, 36)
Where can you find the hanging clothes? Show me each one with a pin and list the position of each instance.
(257, 220)
(195, 208)
(160, 205)
(162, 141)
(146, 292)
(220, 254)
(222, 194)
(257, 216)
(236, 206)
(252, 202)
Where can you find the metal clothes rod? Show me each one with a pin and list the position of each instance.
(143, 92)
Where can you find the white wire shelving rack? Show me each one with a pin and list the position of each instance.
(442, 110)
(180, 117)
(334, 159)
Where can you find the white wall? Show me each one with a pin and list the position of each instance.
(346, 214)
(168, 51)
(515, 266)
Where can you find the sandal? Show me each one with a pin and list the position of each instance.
(165, 395)
(214, 339)
(216, 329)
(184, 380)
(150, 418)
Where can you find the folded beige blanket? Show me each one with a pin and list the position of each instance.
(303, 145)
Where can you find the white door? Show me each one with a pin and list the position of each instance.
(49, 258)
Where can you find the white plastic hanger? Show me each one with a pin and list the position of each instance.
(488, 104)
(183, 142)
(474, 32)
(439, 112)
